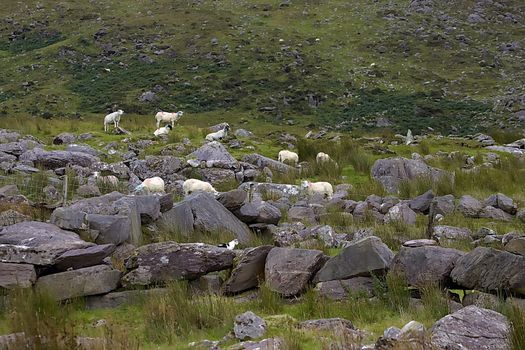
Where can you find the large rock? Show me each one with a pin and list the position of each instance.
(18, 148)
(390, 172)
(201, 212)
(401, 213)
(77, 283)
(38, 243)
(490, 212)
(421, 204)
(79, 258)
(472, 328)
(58, 159)
(166, 167)
(214, 154)
(342, 289)
(445, 233)
(167, 261)
(423, 265)
(248, 271)
(469, 206)
(288, 270)
(11, 217)
(83, 149)
(258, 191)
(64, 138)
(516, 246)
(491, 270)
(501, 201)
(16, 275)
(232, 200)
(444, 205)
(263, 162)
(249, 325)
(362, 258)
(302, 214)
(111, 218)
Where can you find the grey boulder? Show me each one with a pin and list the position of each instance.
(249, 326)
(248, 271)
(342, 289)
(470, 206)
(214, 154)
(472, 328)
(362, 258)
(288, 270)
(16, 275)
(58, 159)
(167, 261)
(38, 243)
(79, 258)
(265, 162)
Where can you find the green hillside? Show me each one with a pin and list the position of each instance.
(455, 66)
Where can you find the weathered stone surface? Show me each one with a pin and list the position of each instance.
(248, 271)
(480, 299)
(402, 213)
(472, 328)
(494, 213)
(214, 154)
(79, 258)
(421, 204)
(76, 283)
(424, 265)
(258, 191)
(168, 261)
(444, 233)
(491, 270)
(58, 159)
(413, 243)
(64, 138)
(16, 275)
(116, 299)
(444, 205)
(390, 172)
(249, 326)
(265, 344)
(11, 217)
(341, 289)
(516, 246)
(167, 167)
(201, 212)
(232, 200)
(288, 270)
(82, 149)
(362, 258)
(302, 214)
(469, 206)
(338, 326)
(262, 162)
(38, 243)
(501, 201)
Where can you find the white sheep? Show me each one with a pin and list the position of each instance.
(112, 118)
(109, 180)
(322, 158)
(151, 185)
(218, 135)
(193, 185)
(318, 188)
(168, 117)
(289, 156)
(165, 130)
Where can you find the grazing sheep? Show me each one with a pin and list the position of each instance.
(151, 185)
(289, 156)
(315, 188)
(164, 131)
(112, 118)
(218, 135)
(168, 117)
(193, 185)
(322, 158)
(109, 180)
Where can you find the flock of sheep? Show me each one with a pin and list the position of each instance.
(156, 184)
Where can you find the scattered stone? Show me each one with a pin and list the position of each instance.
(451, 233)
(249, 325)
(342, 289)
(79, 258)
(16, 275)
(470, 206)
(248, 271)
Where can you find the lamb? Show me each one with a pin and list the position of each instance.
(218, 135)
(193, 185)
(322, 158)
(289, 156)
(168, 117)
(112, 118)
(318, 188)
(151, 185)
(164, 131)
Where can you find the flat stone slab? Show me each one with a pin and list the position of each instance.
(17, 275)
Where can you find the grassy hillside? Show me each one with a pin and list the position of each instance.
(456, 66)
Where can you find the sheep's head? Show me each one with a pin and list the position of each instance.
(305, 184)
(180, 113)
(96, 174)
(120, 111)
(227, 127)
(169, 127)
(139, 188)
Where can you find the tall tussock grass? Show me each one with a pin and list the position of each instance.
(178, 313)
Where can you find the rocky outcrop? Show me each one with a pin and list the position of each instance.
(77, 283)
(37, 243)
(214, 154)
(390, 172)
(491, 270)
(58, 159)
(248, 271)
(472, 328)
(288, 270)
(201, 212)
(167, 261)
(16, 275)
(362, 258)
(425, 265)
(265, 162)
(79, 258)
